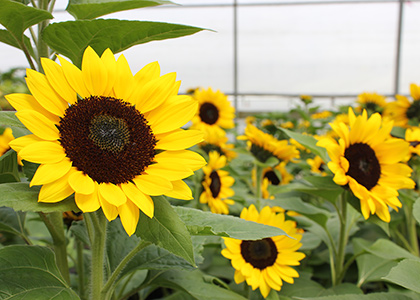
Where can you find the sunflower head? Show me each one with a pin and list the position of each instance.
(369, 161)
(403, 112)
(5, 139)
(265, 263)
(317, 165)
(214, 111)
(110, 137)
(274, 176)
(217, 185)
(321, 115)
(263, 145)
(371, 102)
(218, 141)
(412, 136)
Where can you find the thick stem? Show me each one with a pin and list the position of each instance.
(342, 242)
(411, 229)
(107, 289)
(96, 226)
(55, 226)
(258, 183)
(80, 269)
(43, 50)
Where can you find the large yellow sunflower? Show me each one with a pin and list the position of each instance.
(368, 160)
(372, 102)
(263, 145)
(217, 185)
(111, 138)
(214, 111)
(265, 263)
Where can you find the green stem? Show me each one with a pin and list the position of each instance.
(342, 242)
(55, 226)
(80, 269)
(96, 226)
(43, 50)
(258, 183)
(106, 290)
(411, 229)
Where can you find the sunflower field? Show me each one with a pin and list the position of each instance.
(117, 185)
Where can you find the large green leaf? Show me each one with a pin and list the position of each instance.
(30, 272)
(7, 38)
(206, 223)
(388, 250)
(416, 210)
(71, 38)
(309, 142)
(12, 221)
(193, 283)
(20, 196)
(166, 230)
(322, 186)
(91, 9)
(17, 17)
(406, 274)
(373, 296)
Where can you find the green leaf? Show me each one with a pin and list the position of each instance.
(20, 196)
(206, 223)
(11, 221)
(388, 250)
(193, 283)
(30, 272)
(416, 210)
(73, 37)
(120, 244)
(322, 186)
(91, 9)
(7, 38)
(9, 167)
(9, 119)
(17, 17)
(166, 230)
(372, 296)
(309, 142)
(406, 274)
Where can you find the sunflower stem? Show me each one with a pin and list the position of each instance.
(55, 226)
(342, 242)
(107, 289)
(80, 269)
(43, 50)
(258, 183)
(411, 228)
(96, 226)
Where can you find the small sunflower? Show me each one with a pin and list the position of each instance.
(321, 115)
(372, 102)
(368, 160)
(263, 145)
(265, 263)
(287, 125)
(317, 165)
(5, 139)
(214, 111)
(270, 177)
(218, 141)
(404, 112)
(217, 185)
(412, 136)
(111, 138)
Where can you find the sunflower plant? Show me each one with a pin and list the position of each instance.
(98, 159)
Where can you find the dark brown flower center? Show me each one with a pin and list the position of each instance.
(260, 153)
(107, 139)
(413, 112)
(414, 143)
(215, 184)
(364, 165)
(260, 254)
(209, 113)
(272, 177)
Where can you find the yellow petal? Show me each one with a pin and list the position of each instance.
(142, 201)
(129, 215)
(43, 153)
(88, 203)
(93, 72)
(180, 191)
(152, 185)
(110, 211)
(38, 124)
(20, 143)
(25, 101)
(55, 191)
(170, 117)
(168, 169)
(110, 64)
(81, 183)
(179, 140)
(147, 73)
(112, 194)
(74, 78)
(50, 172)
(57, 80)
(189, 159)
(124, 82)
(45, 94)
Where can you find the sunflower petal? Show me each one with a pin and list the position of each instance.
(112, 194)
(50, 172)
(93, 72)
(38, 124)
(153, 185)
(129, 215)
(81, 183)
(110, 64)
(180, 190)
(142, 201)
(179, 140)
(110, 210)
(20, 143)
(55, 191)
(74, 78)
(88, 203)
(124, 83)
(43, 153)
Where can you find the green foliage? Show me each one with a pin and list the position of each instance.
(30, 272)
(82, 9)
(406, 274)
(71, 38)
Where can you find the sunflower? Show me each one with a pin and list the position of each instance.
(404, 112)
(217, 185)
(263, 145)
(217, 141)
(317, 165)
(214, 112)
(368, 160)
(270, 177)
(111, 138)
(5, 139)
(412, 136)
(321, 115)
(265, 263)
(372, 102)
